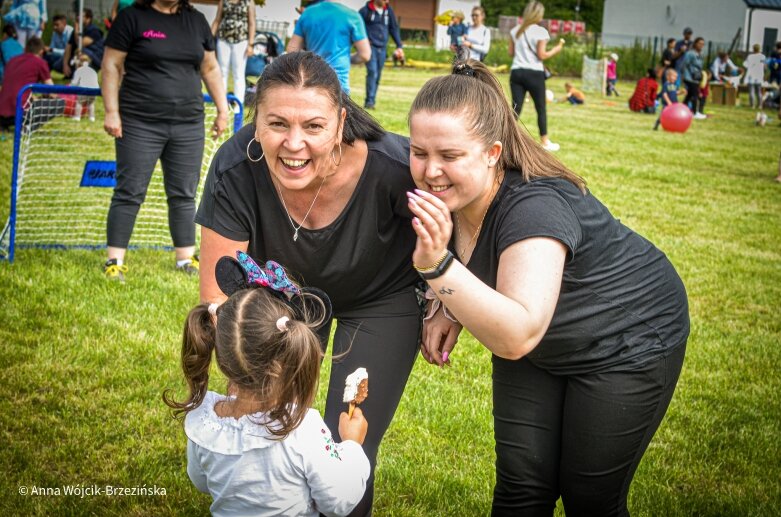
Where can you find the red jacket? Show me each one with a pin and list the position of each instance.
(645, 94)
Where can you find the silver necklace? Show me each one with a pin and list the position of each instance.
(295, 229)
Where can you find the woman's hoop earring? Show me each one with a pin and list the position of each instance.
(333, 157)
(250, 157)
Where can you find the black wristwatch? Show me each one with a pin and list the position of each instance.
(439, 270)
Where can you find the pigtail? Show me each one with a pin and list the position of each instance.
(197, 346)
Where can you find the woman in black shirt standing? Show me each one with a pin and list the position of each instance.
(587, 321)
(159, 50)
(317, 185)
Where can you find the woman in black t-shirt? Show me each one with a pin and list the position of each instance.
(587, 321)
(317, 185)
(159, 50)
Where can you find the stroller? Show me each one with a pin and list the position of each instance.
(267, 46)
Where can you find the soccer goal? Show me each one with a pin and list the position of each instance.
(594, 75)
(64, 173)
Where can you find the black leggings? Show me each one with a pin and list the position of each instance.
(533, 81)
(692, 96)
(179, 147)
(580, 437)
(382, 336)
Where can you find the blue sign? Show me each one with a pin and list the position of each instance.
(99, 174)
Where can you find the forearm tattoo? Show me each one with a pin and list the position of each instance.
(446, 290)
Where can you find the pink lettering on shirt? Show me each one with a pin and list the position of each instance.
(153, 34)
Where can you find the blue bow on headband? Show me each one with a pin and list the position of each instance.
(272, 276)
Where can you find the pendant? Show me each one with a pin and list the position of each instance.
(295, 236)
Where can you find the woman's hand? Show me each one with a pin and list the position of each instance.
(440, 335)
(250, 51)
(219, 126)
(433, 226)
(112, 124)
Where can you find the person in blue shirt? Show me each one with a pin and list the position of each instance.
(329, 30)
(457, 31)
(380, 23)
(61, 34)
(9, 48)
(28, 18)
(669, 93)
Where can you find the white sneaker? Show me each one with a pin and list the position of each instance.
(700, 116)
(550, 146)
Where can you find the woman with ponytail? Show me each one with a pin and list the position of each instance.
(528, 42)
(263, 450)
(587, 321)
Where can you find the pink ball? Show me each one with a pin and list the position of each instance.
(676, 118)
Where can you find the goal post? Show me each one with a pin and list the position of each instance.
(64, 169)
(594, 75)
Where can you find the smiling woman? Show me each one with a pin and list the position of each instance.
(318, 186)
(586, 320)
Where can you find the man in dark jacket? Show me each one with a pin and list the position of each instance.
(380, 23)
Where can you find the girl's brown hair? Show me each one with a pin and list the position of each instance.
(280, 368)
(474, 92)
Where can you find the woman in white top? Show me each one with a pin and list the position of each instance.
(478, 39)
(755, 74)
(528, 47)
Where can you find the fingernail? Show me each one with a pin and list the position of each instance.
(420, 192)
(445, 356)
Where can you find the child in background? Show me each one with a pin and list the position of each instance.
(574, 96)
(643, 100)
(702, 95)
(262, 450)
(86, 77)
(669, 93)
(457, 30)
(612, 77)
(9, 48)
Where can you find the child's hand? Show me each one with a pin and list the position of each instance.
(353, 428)
(562, 41)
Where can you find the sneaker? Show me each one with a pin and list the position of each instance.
(192, 267)
(700, 116)
(550, 146)
(369, 107)
(113, 271)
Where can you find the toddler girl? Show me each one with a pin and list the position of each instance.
(262, 450)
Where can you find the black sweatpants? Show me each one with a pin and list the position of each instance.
(533, 81)
(381, 336)
(580, 437)
(179, 147)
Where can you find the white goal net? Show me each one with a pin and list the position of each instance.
(594, 75)
(64, 172)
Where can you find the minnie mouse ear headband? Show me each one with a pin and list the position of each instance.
(234, 274)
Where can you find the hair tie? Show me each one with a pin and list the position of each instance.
(464, 69)
(213, 309)
(282, 323)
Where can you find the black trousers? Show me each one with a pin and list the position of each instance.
(533, 81)
(580, 437)
(179, 147)
(381, 336)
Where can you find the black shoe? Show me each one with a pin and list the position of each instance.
(369, 107)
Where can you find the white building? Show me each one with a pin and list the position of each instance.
(718, 21)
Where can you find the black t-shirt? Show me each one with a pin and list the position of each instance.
(667, 56)
(163, 65)
(621, 301)
(364, 254)
(94, 33)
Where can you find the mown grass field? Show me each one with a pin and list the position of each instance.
(85, 361)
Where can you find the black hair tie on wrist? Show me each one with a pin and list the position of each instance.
(464, 69)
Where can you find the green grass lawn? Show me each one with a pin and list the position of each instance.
(86, 361)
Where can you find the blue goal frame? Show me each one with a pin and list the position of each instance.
(10, 228)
